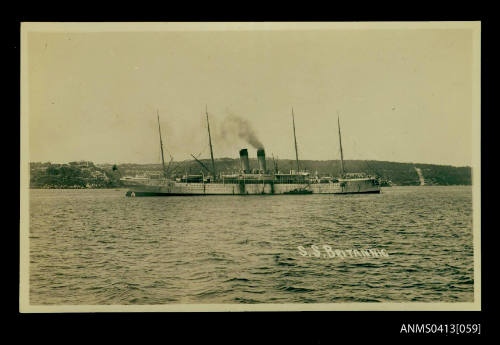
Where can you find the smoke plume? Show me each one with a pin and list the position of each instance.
(236, 126)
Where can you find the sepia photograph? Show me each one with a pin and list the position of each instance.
(240, 166)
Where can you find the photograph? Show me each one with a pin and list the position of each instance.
(250, 166)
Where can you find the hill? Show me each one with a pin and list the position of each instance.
(72, 175)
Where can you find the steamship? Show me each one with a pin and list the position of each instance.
(248, 181)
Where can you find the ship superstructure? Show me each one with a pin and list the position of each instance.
(248, 181)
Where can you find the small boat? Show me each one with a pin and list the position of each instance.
(299, 191)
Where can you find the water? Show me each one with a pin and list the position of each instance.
(99, 247)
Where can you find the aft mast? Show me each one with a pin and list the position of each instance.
(295, 141)
(161, 146)
(340, 143)
(210, 143)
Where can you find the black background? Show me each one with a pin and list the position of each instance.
(233, 327)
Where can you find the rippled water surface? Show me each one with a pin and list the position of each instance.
(99, 247)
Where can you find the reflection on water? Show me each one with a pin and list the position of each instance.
(99, 247)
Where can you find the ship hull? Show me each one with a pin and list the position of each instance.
(171, 188)
(149, 194)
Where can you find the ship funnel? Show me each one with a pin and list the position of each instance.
(245, 165)
(261, 157)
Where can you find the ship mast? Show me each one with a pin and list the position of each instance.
(210, 143)
(161, 146)
(295, 141)
(340, 142)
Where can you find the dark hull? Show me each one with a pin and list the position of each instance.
(367, 192)
(145, 194)
(129, 193)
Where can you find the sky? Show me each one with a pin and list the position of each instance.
(402, 95)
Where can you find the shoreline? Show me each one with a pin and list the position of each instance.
(125, 188)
